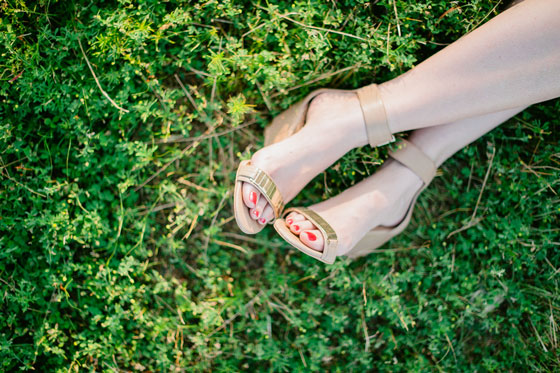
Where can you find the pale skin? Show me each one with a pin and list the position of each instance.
(451, 99)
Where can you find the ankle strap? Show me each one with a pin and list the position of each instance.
(375, 116)
(415, 159)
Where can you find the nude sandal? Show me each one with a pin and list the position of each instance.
(286, 124)
(292, 119)
(407, 154)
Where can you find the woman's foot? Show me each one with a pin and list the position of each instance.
(382, 199)
(334, 125)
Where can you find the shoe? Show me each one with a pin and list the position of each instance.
(407, 154)
(286, 124)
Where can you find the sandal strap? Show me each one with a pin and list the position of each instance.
(329, 235)
(375, 117)
(264, 183)
(415, 159)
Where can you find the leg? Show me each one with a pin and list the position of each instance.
(383, 199)
(495, 68)
(513, 60)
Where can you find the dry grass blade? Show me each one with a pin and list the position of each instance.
(474, 220)
(366, 334)
(538, 336)
(451, 346)
(233, 246)
(397, 17)
(97, 81)
(23, 185)
(187, 93)
(530, 169)
(322, 28)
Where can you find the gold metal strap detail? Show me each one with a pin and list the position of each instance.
(266, 186)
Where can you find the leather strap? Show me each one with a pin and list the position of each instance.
(375, 117)
(415, 159)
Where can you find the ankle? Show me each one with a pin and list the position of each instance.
(338, 117)
(389, 96)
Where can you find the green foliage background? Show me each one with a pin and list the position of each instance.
(117, 246)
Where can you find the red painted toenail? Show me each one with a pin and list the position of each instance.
(311, 236)
(296, 227)
(263, 221)
(289, 221)
(253, 197)
(257, 213)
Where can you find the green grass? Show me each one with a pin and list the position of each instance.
(118, 251)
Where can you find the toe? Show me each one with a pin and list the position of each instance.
(300, 226)
(258, 210)
(312, 239)
(251, 195)
(267, 215)
(294, 217)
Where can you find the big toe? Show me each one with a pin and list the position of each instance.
(251, 195)
(312, 239)
(267, 215)
(257, 211)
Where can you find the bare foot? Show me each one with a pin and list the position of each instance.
(334, 125)
(380, 200)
